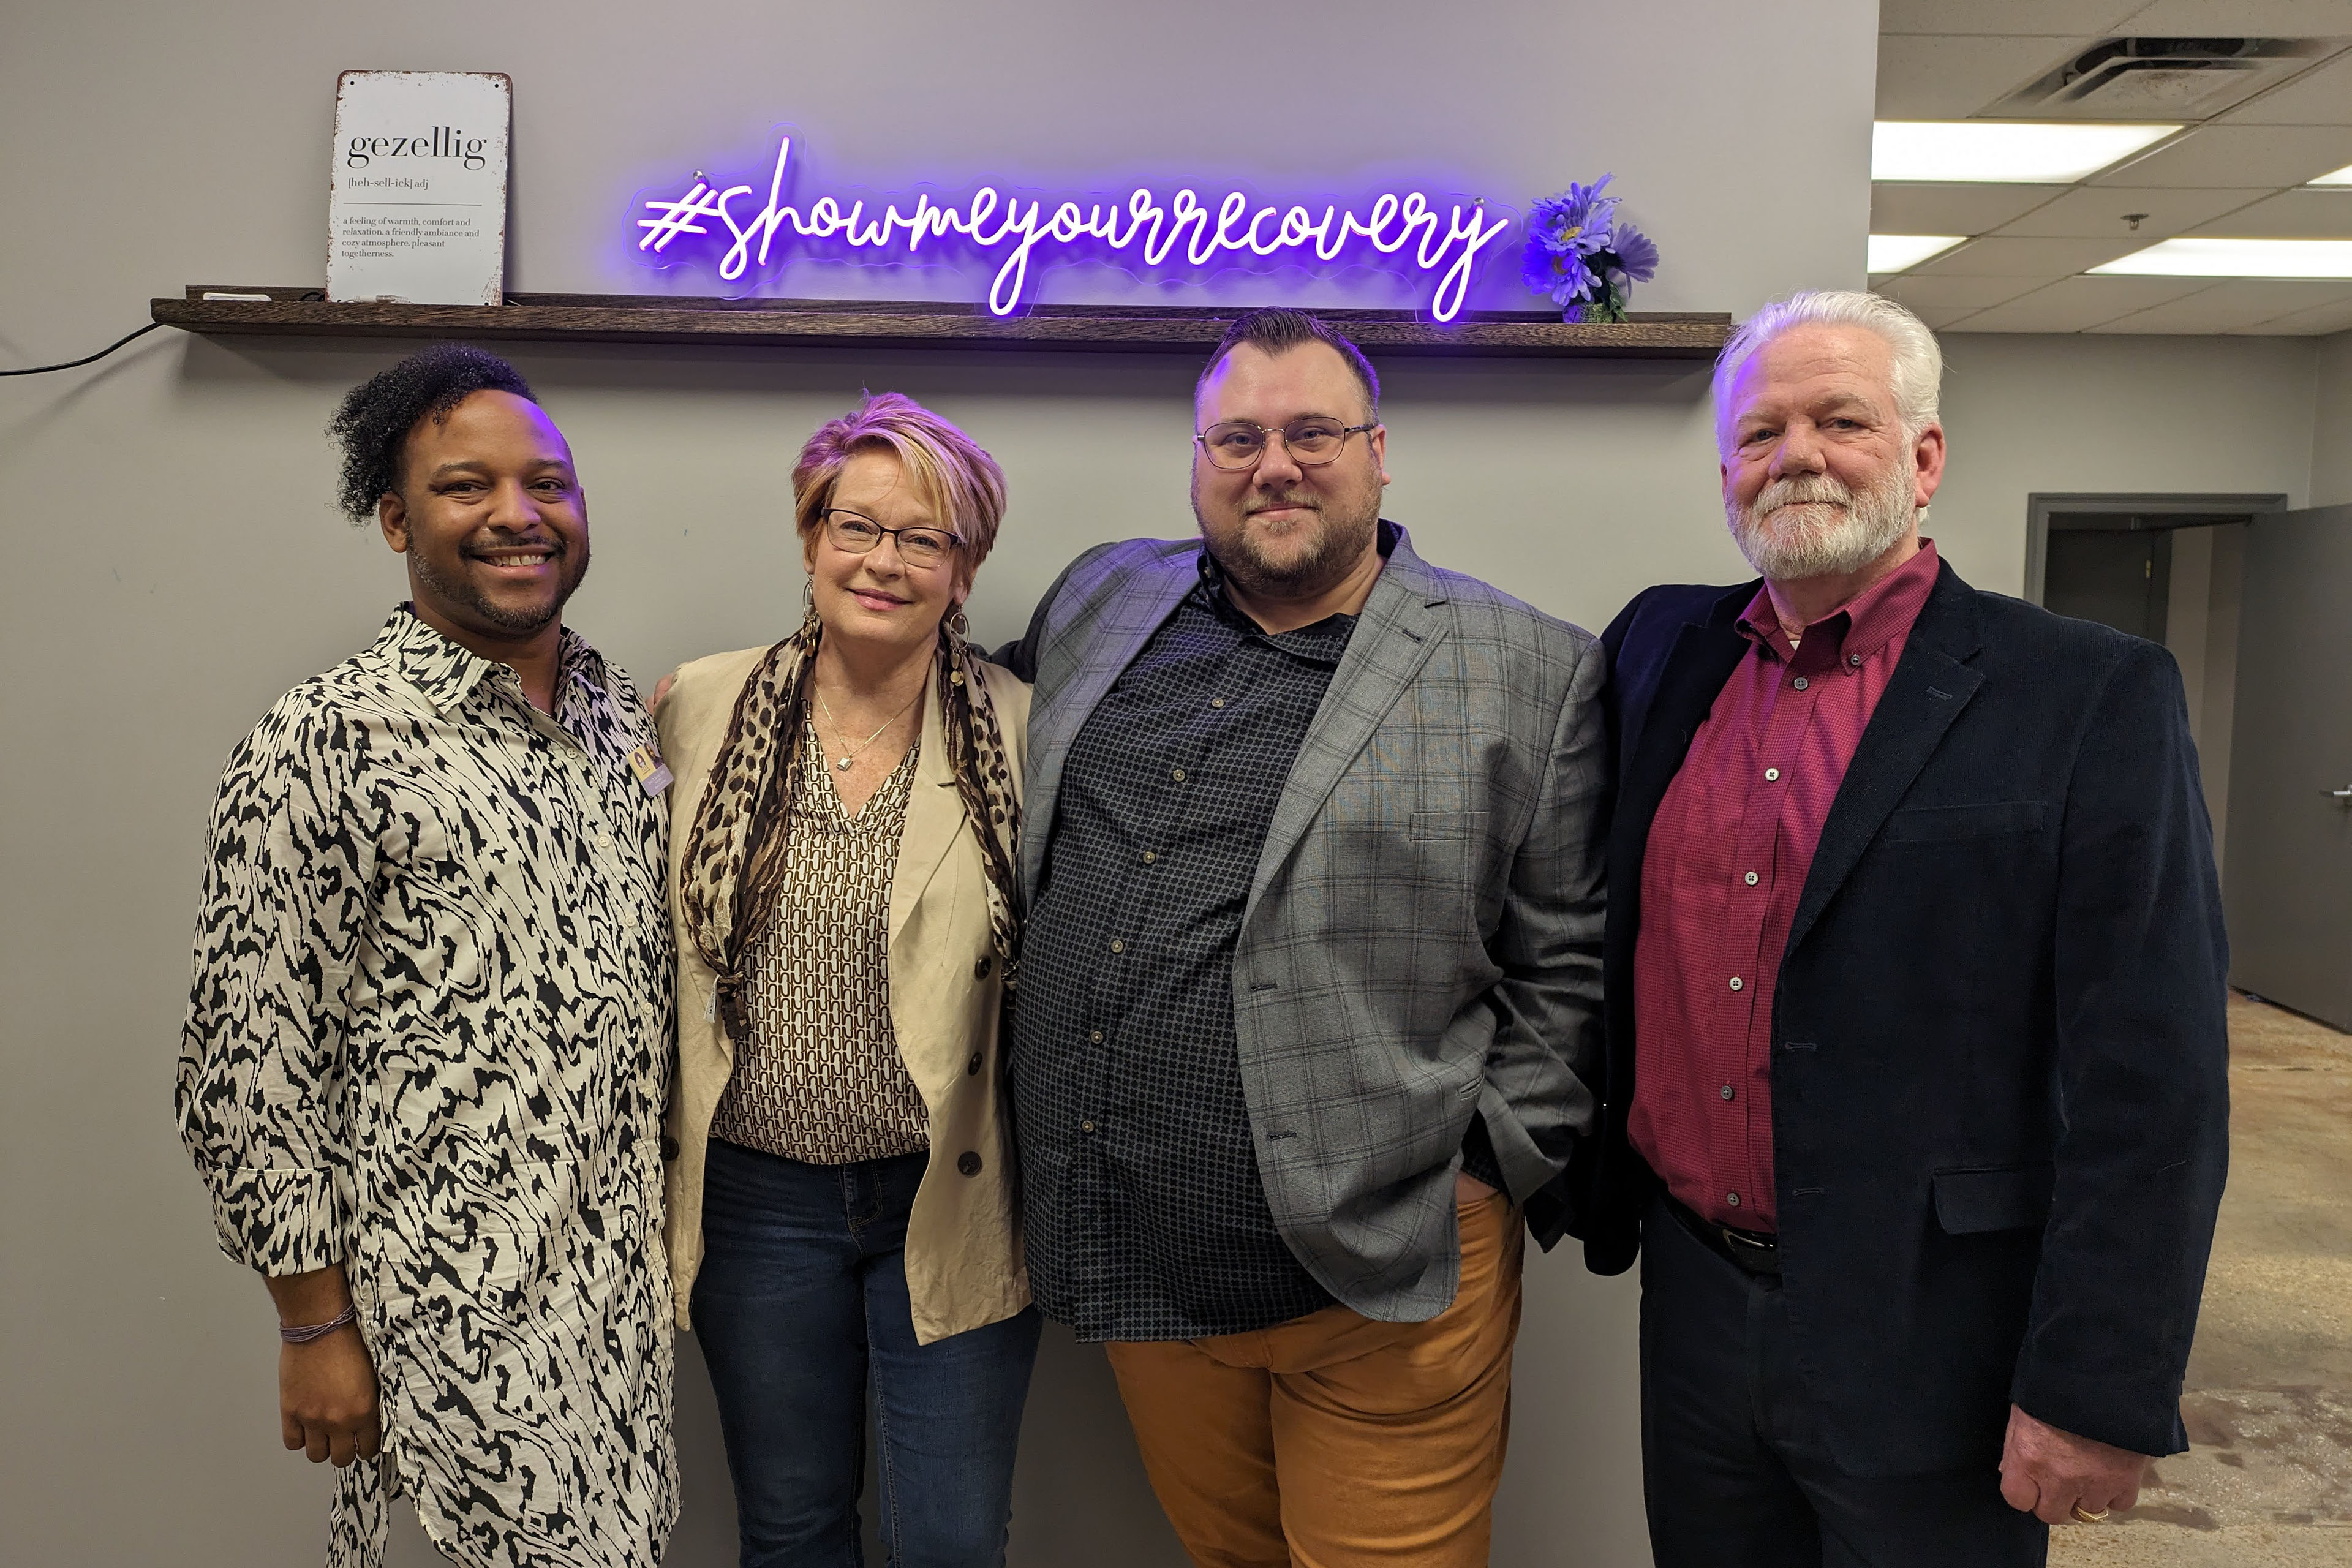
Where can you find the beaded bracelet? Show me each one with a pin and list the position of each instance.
(304, 1333)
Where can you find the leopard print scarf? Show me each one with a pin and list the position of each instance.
(734, 865)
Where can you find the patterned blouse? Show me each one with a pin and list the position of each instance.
(822, 1081)
(428, 1039)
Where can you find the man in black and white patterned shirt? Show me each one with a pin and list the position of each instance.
(1309, 981)
(428, 1039)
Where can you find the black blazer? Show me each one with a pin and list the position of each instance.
(2000, 1062)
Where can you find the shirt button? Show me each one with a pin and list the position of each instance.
(1729, 1092)
(1752, 878)
(1737, 983)
(1216, 702)
(1854, 660)
(1117, 945)
(1095, 1036)
(1149, 857)
(1085, 1127)
(1177, 773)
(1771, 775)
(1731, 1198)
(1800, 683)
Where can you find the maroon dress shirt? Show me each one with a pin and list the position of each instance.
(1726, 864)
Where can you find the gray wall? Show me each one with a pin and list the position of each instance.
(2331, 429)
(172, 564)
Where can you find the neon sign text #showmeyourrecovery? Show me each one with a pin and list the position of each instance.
(1406, 227)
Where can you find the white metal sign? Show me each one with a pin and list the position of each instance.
(418, 208)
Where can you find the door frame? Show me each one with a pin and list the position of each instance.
(2165, 509)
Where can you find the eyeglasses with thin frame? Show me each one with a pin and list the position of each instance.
(1311, 441)
(854, 533)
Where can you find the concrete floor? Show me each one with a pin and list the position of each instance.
(2267, 1482)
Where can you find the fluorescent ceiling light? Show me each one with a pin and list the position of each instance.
(2342, 176)
(1901, 252)
(2236, 258)
(2006, 151)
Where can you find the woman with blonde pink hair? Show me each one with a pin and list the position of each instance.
(845, 820)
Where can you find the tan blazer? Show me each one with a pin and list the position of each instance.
(964, 1251)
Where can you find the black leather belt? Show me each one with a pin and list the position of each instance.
(1754, 1251)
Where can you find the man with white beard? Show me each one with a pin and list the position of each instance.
(1914, 1104)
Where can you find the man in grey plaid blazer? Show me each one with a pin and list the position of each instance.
(1310, 980)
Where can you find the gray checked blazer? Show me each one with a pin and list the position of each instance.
(1422, 936)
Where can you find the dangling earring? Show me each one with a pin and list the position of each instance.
(958, 624)
(808, 602)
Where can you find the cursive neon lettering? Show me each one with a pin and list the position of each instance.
(1447, 245)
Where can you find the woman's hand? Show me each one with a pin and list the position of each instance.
(662, 691)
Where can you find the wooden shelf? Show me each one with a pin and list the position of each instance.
(815, 324)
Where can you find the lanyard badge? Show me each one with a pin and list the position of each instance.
(652, 775)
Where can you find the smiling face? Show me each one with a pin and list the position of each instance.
(492, 520)
(1820, 477)
(1282, 528)
(878, 598)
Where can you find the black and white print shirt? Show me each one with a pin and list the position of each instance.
(429, 1040)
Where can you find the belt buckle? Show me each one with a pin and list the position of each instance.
(1749, 1250)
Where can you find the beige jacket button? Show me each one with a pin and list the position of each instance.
(669, 1147)
(979, 967)
(967, 1162)
(972, 1066)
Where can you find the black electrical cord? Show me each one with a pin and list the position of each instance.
(72, 364)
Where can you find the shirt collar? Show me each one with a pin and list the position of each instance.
(1862, 625)
(447, 672)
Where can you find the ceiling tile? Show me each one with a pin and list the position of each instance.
(2075, 304)
(1945, 77)
(1937, 319)
(2320, 96)
(1900, 207)
(2316, 322)
(2291, 215)
(2097, 212)
(2233, 303)
(2061, 17)
(2214, 156)
(1998, 257)
(1950, 293)
(2263, 19)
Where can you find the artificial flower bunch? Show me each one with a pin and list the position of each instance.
(1583, 255)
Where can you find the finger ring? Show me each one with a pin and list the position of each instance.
(2085, 1516)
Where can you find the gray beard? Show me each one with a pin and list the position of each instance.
(1825, 529)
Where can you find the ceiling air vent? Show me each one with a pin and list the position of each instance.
(2161, 79)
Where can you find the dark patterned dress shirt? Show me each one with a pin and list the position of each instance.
(1147, 1217)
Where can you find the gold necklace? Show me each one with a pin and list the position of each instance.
(849, 756)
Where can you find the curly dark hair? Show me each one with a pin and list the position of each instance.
(374, 421)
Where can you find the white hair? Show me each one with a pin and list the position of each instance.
(1918, 370)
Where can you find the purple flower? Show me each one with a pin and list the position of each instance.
(1637, 254)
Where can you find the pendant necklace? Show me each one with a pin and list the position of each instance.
(849, 756)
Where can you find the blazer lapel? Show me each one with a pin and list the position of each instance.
(1703, 658)
(934, 818)
(1398, 630)
(1932, 683)
(1125, 626)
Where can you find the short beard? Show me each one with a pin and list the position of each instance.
(515, 623)
(1346, 526)
(1825, 529)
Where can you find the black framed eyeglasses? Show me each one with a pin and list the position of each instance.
(1311, 441)
(854, 533)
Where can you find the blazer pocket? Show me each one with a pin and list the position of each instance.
(1436, 825)
(2001, 1197)
(1937, 824)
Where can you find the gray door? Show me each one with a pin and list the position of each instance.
(2288, 890)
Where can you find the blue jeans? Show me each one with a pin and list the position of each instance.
(802, 1297)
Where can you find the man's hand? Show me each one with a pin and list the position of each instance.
(2049, 1473)
(327, 1398)
(326, 1389)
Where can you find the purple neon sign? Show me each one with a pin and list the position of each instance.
(1180, 232)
